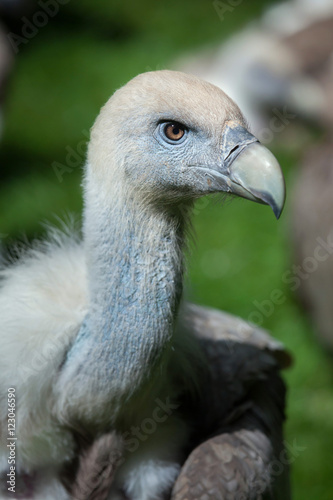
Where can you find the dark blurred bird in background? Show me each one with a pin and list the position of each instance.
(312, 236)
(312, 205)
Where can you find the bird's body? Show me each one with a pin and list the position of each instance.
(94, 335)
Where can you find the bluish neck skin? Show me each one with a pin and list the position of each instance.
(134, 261)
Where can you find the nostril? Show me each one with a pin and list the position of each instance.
(232, 151)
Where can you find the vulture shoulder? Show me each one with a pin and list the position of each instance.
(237, 448)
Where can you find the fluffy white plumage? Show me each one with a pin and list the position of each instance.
(43, 300)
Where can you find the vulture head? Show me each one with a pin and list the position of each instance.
(169, 137)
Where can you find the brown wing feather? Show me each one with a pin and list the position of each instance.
(242, 412)
(97, 464)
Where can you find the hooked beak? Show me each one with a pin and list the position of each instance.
(250, 170)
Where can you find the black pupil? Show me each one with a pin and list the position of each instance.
(175, 130)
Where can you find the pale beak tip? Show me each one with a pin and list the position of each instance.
(268, 199)
(277, 209)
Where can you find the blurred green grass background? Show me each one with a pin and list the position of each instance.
(60, 80)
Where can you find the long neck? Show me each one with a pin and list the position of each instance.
(135, 270)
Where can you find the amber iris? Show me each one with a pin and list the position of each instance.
(174, 131)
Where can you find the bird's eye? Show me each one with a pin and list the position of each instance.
(170, 132)
(174, 131)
